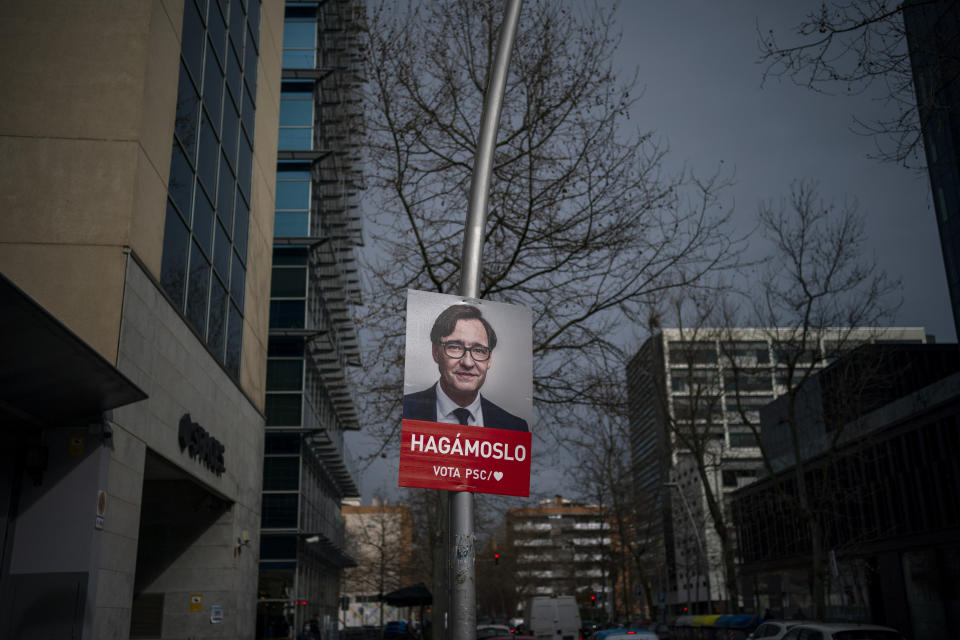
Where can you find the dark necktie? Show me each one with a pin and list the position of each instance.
(462, 415)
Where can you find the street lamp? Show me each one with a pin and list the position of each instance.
(700, 547)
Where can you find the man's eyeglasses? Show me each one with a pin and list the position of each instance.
(456, 350)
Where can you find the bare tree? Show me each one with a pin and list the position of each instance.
(380, 539)
(583, 226)
(860, 46)
(605, 475)
(430, 515)
(692, 410)
(818, 297)
(497, 595)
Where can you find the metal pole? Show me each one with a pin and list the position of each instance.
(483, 163)
(462, 554)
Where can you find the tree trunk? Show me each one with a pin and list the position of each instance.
(726, 544)
(818, 572)
(730, 579)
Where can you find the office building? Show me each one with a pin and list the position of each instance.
(561, 547)
(933, 37)
(312, 344)
(701, 384)
(887, 481)
(138, 143)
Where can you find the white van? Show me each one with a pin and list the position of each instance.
(553, 618)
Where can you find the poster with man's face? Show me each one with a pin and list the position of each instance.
(468, 389)
(505, 378)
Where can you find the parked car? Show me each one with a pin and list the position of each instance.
(773, 629)
(485, 631)
(395, 629)
(661, 629)
(603, 633)
(587, 628)
(841, 631)
(553, 618)
(633, 634)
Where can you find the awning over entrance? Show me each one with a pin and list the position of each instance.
(48, 375)
(414, 596)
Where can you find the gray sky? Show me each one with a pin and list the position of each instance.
(697, 63)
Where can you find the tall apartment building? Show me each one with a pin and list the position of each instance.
(380, 539)
(680, 378)
(307, 471)
(137, 143)
(561, 547)
(933, 37)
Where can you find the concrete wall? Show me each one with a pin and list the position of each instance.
(162, 356)
(85, 136)
(256, 321)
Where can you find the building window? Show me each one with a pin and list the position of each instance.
(285, 383)
(742, 440)
(288, 291)
(278, 547)
(300, 37)
(280, 443)
(747, 381)
(293, 201)
(203, 267)
(280, 510)
(692, 353)
(281, 473)
(296, 116)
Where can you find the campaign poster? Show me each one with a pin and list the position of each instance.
(468, 395)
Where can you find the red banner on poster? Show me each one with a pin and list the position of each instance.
(453, 457)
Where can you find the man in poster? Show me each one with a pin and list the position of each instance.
(462, 342)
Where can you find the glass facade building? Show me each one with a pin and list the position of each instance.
(933, 36)
(312, 344)
(134, 296)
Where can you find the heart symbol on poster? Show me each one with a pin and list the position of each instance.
(497, 475)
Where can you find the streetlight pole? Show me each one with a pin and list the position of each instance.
(462, 554)
(700, 547)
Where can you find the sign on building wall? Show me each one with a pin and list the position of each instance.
(101, 509)
(468, 388)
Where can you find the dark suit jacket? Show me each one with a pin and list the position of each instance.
(423, 406)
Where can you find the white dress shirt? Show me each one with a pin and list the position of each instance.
(446, 406)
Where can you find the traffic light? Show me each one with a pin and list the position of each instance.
(496, 558)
